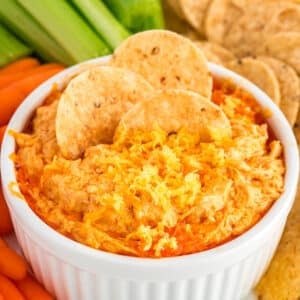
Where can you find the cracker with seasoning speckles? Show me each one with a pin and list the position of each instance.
(284, 46)
(173, 110)
(289, 84)
(220, 16)
(175, 5)
(282, 279)
(167, 60)
(91, 107)
(259, 21)
(215, 53)
(259, 73)
(195, 12)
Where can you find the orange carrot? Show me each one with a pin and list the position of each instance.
(5, 220)
(12, 264)
(20, 65)
(1, 297)
(7, 79)
(9, 290)
(2, 243)
(2, 130)
(13, 95)
(32, 290)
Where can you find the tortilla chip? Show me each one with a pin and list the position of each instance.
(221, 14)
(215, 53)
(172, 110)
(289, 85)
(282, 279)
(259, 73)
(177, 24)
(91, 106)
(167, 60)
(250, 31)
(284, 46)
(285, 20)
(195, 12)
(176, 6)
(297, 128)
(210, 56)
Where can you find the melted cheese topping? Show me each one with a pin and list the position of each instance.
(152, 194)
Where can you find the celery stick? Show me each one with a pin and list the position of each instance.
(103, 21)
(23, 25)
(67, 28)
(138, 15)
(10, 47)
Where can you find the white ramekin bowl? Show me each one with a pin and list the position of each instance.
(73, 271)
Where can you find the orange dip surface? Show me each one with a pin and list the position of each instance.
(153, 194)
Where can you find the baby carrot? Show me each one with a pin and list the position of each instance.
(5, 220)
(6, 79)
(13, 95)
(2, 130)
(8, 290)
(20, 65)
(2, 243)
(12, 264)
(32, 290)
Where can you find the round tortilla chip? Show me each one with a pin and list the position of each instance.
(91, 107)
(249, 31)
(297, 128)
(175, 5)
(259, 73)
(172, 110)
(282, 279)
(167, 60)
(289, 84)
(215, 53)
(284, 46)
(285, 20)
(176, 24)
(195, 12)
(210, 56)
(220, 16)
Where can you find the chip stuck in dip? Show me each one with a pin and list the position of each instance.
(178, 171)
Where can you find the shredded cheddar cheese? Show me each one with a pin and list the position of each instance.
(154, 194)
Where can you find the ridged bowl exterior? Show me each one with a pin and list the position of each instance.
(72, 271)
(69, 282)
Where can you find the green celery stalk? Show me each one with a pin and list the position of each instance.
(103, 21)
(10, 47)
(138, 15)
(67, 28)
(23, 25)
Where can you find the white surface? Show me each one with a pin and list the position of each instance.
(75, 272)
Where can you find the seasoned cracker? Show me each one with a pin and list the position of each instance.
(172, 110)
(284, 46)
(289, 84)
(259, 21)
(167, 60)
(215, 53)
(177, 24)
(285, 20)
(297, 128)
(282, 279)
(175, 5)
(195, 12)
(259, 73)
(92, 104)
(220, 16)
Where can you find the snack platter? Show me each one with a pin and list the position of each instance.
(115, 167)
